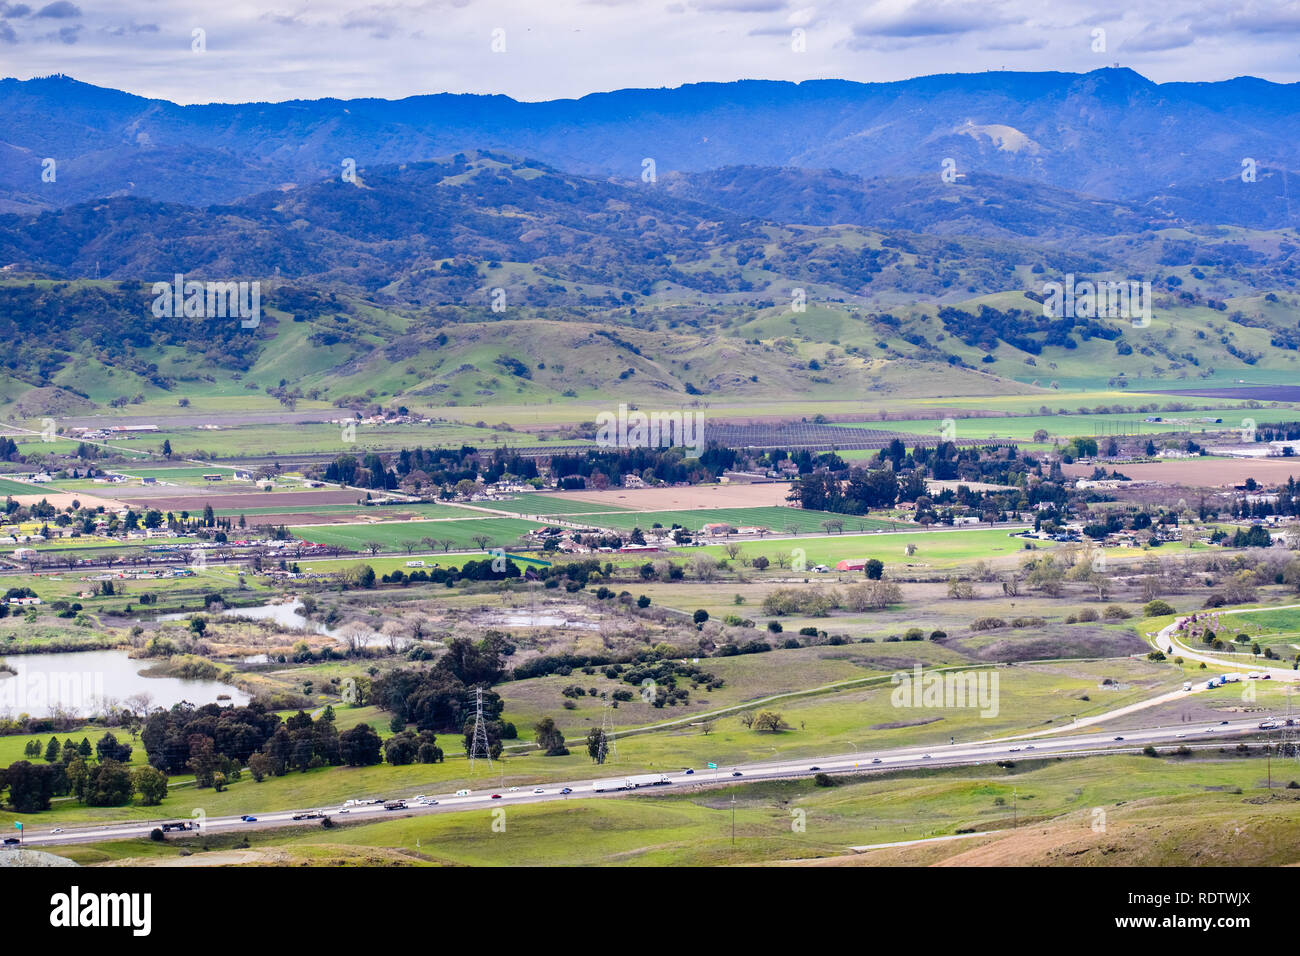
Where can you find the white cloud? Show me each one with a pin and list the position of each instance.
(568, 48)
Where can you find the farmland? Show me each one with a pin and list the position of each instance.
(776, 520)
(499, 532)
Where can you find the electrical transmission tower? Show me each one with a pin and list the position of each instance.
(608, 746)
(1288, 747)
(479, 745)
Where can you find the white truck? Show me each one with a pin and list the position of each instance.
(631, 783)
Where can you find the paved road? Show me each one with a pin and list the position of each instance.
(900, 759)
(1168, 637)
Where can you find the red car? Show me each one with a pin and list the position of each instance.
(496, 796)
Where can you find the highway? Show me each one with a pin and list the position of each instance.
(885, 760)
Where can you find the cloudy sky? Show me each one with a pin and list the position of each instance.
(544, 49)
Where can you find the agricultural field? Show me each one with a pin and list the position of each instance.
(763, 495)
(1203, 472)
(1068, 423)
(10, 487)
(552, 505)
(499, 532)
(933, 549)
(775, 520)
(352, 512)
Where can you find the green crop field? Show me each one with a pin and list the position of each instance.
(501, 532)
(776, 519)
(1067, 425)
(372, 512)
(10, 487)
(933, 549)
(546, 504)
(177, 473)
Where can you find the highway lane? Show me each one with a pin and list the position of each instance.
(885, 760)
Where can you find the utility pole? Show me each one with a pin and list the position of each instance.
(607, 745)
(733, 819)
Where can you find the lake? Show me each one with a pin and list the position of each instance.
(82, 682)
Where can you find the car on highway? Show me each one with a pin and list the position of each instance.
(1030, 747)
(462, 793)
(567, 790)
(1014, 750)
(57, 830)
(688, 771)
(12, 841)
(1208, 730)
(1119, 738)
(513, 789)
(737, 773)
(1180, 735)
(875, 760)
(811, 769)
(496, 796)
(539, 790)
(1222, 722)
(248, 819)
(926, 757)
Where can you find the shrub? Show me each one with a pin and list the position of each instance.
(1157, 608)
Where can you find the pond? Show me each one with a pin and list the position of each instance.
(285, 614)
(84, 682)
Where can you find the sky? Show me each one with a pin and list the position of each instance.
(231, 51)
